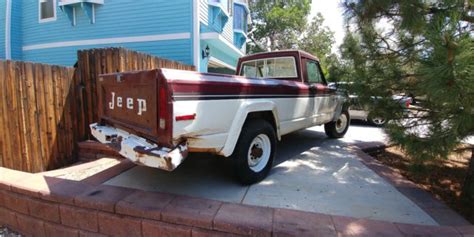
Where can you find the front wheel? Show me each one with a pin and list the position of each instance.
(338, 128)
(255, 151)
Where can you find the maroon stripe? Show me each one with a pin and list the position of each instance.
(232, 86)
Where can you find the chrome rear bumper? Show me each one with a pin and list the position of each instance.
(138, 149)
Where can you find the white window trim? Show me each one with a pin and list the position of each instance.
(121, 40)
(265, 63)
(47, 19)
(8, 42)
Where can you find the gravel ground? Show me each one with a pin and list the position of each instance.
(4, 232)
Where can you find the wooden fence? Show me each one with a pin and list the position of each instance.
(45, 110)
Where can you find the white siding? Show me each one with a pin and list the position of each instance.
(204, 12)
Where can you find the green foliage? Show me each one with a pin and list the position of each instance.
(279, 25)
(276, 24)
(427, 49)
(317, 40)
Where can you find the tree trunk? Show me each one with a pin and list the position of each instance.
(468, 186)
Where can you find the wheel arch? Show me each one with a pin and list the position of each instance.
(342, 105)
(266, 110)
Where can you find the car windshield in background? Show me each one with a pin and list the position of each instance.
(282, 67)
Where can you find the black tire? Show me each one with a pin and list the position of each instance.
(334, 130)
(254, 129)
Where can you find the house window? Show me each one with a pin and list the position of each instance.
(240, 24)
(218, 14)
(240, 18)
(47, 10)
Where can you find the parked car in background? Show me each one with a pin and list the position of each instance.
(359, 111)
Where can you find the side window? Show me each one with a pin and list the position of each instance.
(47, 10)
(313, 72)
(249, 69)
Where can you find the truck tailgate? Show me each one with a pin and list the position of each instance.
(129, 101)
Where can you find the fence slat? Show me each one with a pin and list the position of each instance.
(33, 126)
(13, 116)
(5, 149)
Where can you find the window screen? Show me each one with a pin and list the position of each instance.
(46, 9)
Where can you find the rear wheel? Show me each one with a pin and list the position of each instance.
(255, 151)
(338, 128)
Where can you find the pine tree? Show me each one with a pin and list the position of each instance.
(426, 48)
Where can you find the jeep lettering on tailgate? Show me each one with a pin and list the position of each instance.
(130, 103)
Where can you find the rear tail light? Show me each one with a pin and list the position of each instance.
(186, 117)
(407, 104)
(163, 106)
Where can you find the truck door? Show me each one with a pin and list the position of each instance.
(324, 97)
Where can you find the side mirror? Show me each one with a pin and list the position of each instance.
(332, 85)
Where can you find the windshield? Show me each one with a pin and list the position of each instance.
(282, 67)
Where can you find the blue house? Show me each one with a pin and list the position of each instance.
(209, 34)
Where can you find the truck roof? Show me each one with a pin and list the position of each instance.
(292, 52)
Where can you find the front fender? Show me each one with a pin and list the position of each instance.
(239, 120)
(342, 105)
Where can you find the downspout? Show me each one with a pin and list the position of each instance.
(196, 35)
(8, 18)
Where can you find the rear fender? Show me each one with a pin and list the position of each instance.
(236, 127)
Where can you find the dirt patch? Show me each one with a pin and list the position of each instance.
(442, 178)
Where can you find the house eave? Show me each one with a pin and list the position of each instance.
(218, 38)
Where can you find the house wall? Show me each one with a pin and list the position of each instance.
(227, 35)
(2, 28)
(224, 57)
(16, 30)
(228, 31)
(179, 50)
(114, 19)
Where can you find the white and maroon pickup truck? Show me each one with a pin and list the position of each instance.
(156, 117)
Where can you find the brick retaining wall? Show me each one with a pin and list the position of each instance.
(36, 205)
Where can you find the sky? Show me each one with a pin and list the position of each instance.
(332, 13)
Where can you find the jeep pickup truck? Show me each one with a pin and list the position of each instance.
(156, 117)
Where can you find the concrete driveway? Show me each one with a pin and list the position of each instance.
(311, 173)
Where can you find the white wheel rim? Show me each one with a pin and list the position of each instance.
(341, 123)
(259, 153)
(378, 120)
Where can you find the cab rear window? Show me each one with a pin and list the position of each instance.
(280, 67)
